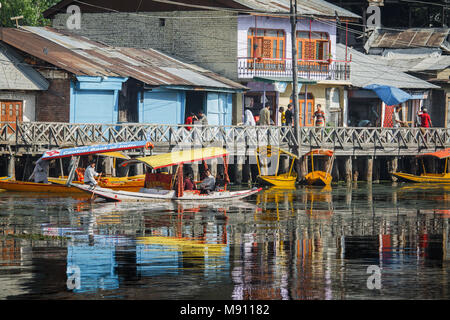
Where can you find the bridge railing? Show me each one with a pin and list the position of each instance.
(47, 134)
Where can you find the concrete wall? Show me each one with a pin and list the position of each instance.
(319, 93)
(208, 39)
(28, 99)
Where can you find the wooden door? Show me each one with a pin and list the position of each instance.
(11, 111)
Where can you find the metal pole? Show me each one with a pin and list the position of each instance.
(295, 73)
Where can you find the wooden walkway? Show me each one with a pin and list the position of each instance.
(35, 137)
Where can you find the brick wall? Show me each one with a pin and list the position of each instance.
(53, 105)
(207, 39)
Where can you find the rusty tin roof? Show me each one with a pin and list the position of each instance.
(411, 38)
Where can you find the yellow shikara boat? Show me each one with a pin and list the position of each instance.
(425, 177)
(317, 177)
(264, 157)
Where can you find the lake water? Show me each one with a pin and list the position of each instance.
(378, 241)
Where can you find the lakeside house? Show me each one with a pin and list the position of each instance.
(365, 105)
(83, 81)
(423, 53)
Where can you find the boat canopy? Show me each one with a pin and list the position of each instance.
(115, 154)
(99, 148)
(179, 157)
(320, 152)
(441, 154)
(264, 150)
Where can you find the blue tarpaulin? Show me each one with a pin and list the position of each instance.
(389, 95)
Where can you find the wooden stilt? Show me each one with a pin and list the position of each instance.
(348, 169)
(369, 169)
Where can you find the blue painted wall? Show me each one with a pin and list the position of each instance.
(219, 108)
(162, 107)
(95, 99)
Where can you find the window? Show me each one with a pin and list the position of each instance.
(314, 47)
(266, 45)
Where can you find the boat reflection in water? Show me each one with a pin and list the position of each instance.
(305, 243)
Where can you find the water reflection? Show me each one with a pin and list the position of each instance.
(307, 243)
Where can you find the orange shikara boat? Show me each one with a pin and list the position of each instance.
(317, 177)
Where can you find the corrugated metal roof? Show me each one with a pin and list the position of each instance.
(365, 70)
(415, 64)
(410, 38)
(84, 57)
(16, 75)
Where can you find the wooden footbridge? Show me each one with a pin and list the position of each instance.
(35, 137)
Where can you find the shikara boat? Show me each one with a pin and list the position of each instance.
(268, 162)
(58, 185)
(164, 186)
(425, 177)
(317, 177)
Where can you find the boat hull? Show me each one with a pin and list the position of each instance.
(318, 178)
(22, 186)
(280, 181)
(157, 195)
(424, 178)
(57, 186)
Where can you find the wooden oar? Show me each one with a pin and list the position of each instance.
(94, 186)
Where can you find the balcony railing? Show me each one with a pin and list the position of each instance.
(282, 68)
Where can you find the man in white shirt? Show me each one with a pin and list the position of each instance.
(90, 173)
(208, 184)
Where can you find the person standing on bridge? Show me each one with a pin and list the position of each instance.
(264, 116)
(319, 115)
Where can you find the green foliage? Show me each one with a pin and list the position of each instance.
(31, 10)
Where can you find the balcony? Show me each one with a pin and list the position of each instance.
(282, 68)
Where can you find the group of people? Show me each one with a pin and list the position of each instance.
(287, 116)
(423, 118)
(193, 119)
(207, 185)
(40, 172)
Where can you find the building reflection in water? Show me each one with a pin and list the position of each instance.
(309, 243)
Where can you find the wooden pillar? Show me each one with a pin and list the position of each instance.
(413, 165)
(393, 165)
(355, 165)
(376, 171)
(369, 169)
(12, 166)
(348, 169)
(239, 166)
(335, 170)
